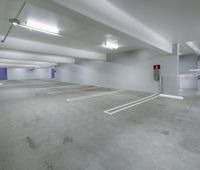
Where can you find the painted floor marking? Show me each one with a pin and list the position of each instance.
(67, 90)
(54, 87)
(93, 95)
(130, 104)
(27, 84)
(172, 96)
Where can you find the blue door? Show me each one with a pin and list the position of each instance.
(3, 73)
(53, 73)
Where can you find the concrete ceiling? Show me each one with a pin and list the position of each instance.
(175, 20)
(85, 25)
(78, 32)
(12, 58)
(108, 14)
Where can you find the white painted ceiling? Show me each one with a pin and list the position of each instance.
(175, 20)
(108, 14)
(78, 31)
(85, 25)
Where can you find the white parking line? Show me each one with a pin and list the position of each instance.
(172, 96)
(93, 95)
(67, 90)
(55, 87)
(27, 84)
(130, 104)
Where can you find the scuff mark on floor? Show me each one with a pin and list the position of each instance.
(67, 139)
(31, 143)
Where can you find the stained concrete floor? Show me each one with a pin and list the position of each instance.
(43, 131)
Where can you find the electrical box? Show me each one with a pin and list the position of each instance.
(156, 69)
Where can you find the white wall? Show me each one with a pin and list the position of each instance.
(133, 70)
(23, 74)
(188, 82)
(187, 62)
(141, 70)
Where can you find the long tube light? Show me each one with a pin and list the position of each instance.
(110, 45)
(41, 27)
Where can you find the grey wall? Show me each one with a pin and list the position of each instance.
(198, 83)
(188, 62)
(133, 70)
(23, 74)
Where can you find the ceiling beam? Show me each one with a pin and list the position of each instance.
(54, 50)
(119, 20)
(33, 56)
(16, 65)
(27, 62)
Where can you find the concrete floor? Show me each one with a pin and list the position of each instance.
(42, 131)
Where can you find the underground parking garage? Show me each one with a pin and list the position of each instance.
(99, 85)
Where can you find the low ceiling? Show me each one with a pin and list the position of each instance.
(84, 27)
(175, 20)
(78, 31)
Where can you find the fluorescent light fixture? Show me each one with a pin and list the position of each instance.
(41, 27)
(111, 45)
(14, 21)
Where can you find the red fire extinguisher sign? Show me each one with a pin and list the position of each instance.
(156, 69)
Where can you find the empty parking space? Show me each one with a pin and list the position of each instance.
(46, 127)
(99, 85)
